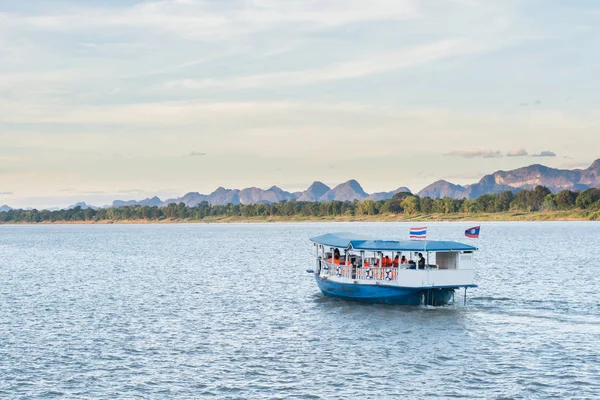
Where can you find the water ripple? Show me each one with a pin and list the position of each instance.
(228, 312)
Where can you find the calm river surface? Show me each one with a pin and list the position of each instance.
(228, 312)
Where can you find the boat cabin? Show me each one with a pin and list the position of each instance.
(422, 263)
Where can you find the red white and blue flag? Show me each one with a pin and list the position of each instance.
(473, 232)
(418, 233)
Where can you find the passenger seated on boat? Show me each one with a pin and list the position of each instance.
(388, 261)
(403, 260)
(421, 261)
(412, 265)
(396, 261)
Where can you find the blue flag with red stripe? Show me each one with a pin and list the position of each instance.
(473, 232)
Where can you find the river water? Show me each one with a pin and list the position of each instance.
(228, 312)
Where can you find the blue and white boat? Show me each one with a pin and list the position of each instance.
(411, 272)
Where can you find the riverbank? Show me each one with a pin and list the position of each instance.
(572, 215)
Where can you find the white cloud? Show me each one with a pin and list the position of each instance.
(138, 114)
(216, 20)
(475, 153)
(545, 154)
(44, 79)
(517, 153)
(83, 84)
(368, 65)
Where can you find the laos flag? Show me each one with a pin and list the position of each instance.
(473, 232)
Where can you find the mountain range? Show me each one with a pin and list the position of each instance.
(513, 180)
(519, 179)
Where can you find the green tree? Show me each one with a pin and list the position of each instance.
(410, 205)
(566, 200)
(426, 205)
(402, 195)
(503, 200)
(587, 198)
(549, 203)
(449, 205)
(438, 206)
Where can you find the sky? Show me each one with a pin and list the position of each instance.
(124, 99)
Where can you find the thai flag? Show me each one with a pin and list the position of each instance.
(418, 233)
(473, 232)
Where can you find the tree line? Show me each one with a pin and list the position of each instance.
(538, 199)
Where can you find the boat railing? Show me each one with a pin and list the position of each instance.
(332, 269)
(329, 268)
(365, 273)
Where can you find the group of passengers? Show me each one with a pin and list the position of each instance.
(336, 259)
(386, 261)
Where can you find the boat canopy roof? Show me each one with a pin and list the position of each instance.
(346, 240)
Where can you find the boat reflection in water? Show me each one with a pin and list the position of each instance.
(411, 272)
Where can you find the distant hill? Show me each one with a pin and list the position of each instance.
(347, 191)
(387, 195)
(441, 189)
(255, 195)
(151, 202)
(519, 179)
(514, 180)
(191, 199)
(534, 175)
(314, 192)
(219, 196)
(83, 206)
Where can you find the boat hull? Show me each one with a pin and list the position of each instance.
(382, 294)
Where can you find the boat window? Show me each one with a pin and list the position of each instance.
(447, 260)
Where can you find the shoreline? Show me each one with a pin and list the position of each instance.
(572, 215)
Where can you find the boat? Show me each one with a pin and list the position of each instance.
(410, 272)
